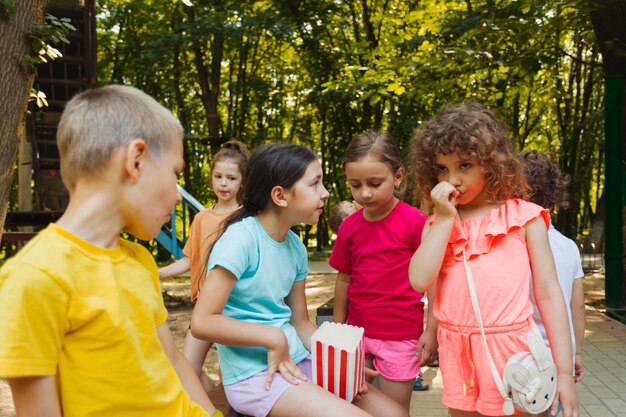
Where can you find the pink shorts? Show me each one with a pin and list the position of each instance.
(468, 383)
(395, 360)
(249, 396)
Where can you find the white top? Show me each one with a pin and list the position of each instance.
(568, 269)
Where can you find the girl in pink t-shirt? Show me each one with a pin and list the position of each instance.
(372, 254)
(466, 166)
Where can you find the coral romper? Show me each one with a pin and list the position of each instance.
(498, 258)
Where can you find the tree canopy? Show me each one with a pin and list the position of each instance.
(320, 72)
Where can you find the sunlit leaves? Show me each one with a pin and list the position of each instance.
(321, 71)
(39, 97)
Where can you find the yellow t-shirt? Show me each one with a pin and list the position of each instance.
(89, 316)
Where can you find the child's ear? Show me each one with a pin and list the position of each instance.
(279, 196)
(398, 177)
(135, 155)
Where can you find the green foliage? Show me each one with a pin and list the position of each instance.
(7, 9)
(45, 36)
(320, 72)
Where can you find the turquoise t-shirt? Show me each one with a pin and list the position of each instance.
(266, 271)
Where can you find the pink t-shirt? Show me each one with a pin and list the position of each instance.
(376, 256)
(498, 258)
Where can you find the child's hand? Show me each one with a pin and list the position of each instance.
(369, 373)
(427, 347)
(278, 360)
(444, 196)
(566, 395)
(579, 368)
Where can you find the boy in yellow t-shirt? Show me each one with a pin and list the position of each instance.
(83, 324)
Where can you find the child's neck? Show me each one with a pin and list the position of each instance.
(469, 211)
(382, 213)
(225, 206)
(93, 216)
(271, 222)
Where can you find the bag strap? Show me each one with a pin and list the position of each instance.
(508, 401)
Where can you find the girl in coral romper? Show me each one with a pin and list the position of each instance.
(467, 167)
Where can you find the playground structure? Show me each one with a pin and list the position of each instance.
(174, 234)
(76, 71)
(59, 80)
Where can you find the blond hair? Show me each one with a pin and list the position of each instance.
(98, 121)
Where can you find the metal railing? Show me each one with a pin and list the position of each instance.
(173, 235)
(591, 257)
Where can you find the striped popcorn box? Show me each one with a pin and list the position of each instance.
(338, 359)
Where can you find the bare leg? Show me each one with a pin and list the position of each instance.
(400, 391)
(195, 350)
(369, 363)
(459, 413)
(379, 404)
(309, 400)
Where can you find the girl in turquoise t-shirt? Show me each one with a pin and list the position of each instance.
(253, 303)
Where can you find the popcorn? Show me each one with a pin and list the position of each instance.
(338, 359)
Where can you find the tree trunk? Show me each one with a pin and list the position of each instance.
(16, 79)
(25, 176)
(217, 55)
(209, 81)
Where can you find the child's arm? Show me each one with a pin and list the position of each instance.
(340, 302)
(208, 323)
(35, 396)
(296, 300)
(176, 268)
(427, 259)
(577, 305)
(551, 305)
(427, 345)
(183, 369)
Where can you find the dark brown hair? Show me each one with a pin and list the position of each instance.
(548, 185)
(468, 128)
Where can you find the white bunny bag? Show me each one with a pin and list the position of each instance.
(531, 377)
(529, 381)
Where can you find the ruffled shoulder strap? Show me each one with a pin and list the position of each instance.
(476, 235)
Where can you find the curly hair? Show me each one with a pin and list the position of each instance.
(548, 185)
(467, 128)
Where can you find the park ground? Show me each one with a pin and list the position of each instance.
(601, 393)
